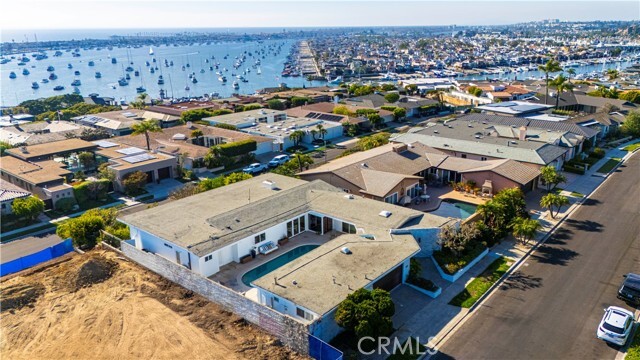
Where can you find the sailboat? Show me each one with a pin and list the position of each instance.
(141, 88)
(150, 51)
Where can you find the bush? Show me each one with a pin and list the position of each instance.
(65, 204)
(597, 153)
(237, 148)
(299, 101)
(134, 183)
(573, 169)
(275, 104)
(226, 126)
(366, 313)
(452, 264)
(423, 283)
(91, 190)
(28, 208)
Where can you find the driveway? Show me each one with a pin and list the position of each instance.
(163, 189)
(550, 308)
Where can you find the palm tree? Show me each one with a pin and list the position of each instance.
(525, 229)
(613, 74)
(552, 66)
(197, 133)
(296, 137)
(571, 73)
(551, 201)
(321, 131)
(140, 102)
(145, 127)
(561, 85)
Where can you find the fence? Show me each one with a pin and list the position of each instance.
(39, 257)
(320, 350)
(291, 332)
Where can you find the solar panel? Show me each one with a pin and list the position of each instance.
(130, 151)
(128, 114)
(329, 117)
(138, 158)
(105, 144)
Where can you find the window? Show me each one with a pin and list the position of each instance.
(208, 258)
(303, 314)
(464, 156)
(169, 246)
(260, 238)
(392, 199)
(296, 226)
(483, 159)
(348, 228)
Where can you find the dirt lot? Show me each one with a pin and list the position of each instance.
(98, 306)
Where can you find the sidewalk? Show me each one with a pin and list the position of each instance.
(433, 320)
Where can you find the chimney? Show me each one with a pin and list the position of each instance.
(400, 148)
(523, 133)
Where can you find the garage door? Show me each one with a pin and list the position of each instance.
(164, 173)
(391, 280)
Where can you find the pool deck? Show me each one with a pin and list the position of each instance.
(440, 193)
(230, 275)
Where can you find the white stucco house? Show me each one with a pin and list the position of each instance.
(366, 243)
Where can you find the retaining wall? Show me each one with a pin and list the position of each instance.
(291, 332)
(459, 273)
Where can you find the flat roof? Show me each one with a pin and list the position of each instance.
(52, 148)
(124, 157)
(34, 172)
(244, 117)
(325, 276)
(283, 128)
(514, 107)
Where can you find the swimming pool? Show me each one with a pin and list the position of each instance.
(454, 208)
(275, 263)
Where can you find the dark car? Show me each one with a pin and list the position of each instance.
(630, 289)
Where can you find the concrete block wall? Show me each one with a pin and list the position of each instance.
(291, 332)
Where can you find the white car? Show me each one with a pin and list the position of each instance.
(616, 325)
(279, 160)
(254, 168)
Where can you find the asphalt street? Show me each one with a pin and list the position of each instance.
(550, 308)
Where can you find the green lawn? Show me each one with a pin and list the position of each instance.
(609, 165)
(573, 193)
(412, 352)
(631, 147)
(633, 353)
(480, 285)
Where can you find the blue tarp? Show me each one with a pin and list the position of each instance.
(320, 350)
(39, 257)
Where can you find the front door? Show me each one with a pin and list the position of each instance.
(178, 257)
(328, 225)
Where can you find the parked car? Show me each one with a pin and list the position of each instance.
(279, 160)
(630, 289)
(254, 168)
(616, 325)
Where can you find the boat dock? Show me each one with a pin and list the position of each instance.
(306, 61)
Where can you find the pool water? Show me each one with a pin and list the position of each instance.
(455, 209)
(275, 263)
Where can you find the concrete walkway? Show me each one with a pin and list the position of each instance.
(431, 320)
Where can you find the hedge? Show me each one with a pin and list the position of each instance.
(573, 169)
(237, 148)
(81, 191)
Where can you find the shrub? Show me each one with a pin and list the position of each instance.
(275, 104)
(367, 313)
(299, 101)
(134, 182)
(451, 263)
(237, 148)
(91, 190)
(28, 208)
(573, 169)
(226, 126)
(598, 153)
(65, 204)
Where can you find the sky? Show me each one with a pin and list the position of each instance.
(146, 14)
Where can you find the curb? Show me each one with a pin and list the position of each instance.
(518, 263)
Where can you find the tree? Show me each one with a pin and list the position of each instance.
(94, 134)
(392, 97)
(349, 128)
(631, 96)
(525, 229)
(28, 208)
(80, 175)
(211, 183)
(456, 240)
(571, 73)
(140, 102)
(134, 182)
(553, 201)
(4, 146)
(105, 172)
(375, 120)
(185, 191)
(96, 189)
(236, 177)
(87, 159)
(197, 133)
(399, 114)
(551, 177)
(552, 66)
(366, 313)
(631, 124)
(342, 110)
(475, 91)
(613, 74)
(411, 89)
(145, 127)
(373, 141)
(561, 85)
(299, 101)
(84, 231)
(321, 131)
(275, 104)
(296, 137)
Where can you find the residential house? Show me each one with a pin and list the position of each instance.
(118, 123)
(40, 132)
(513, 108)
(8, 193)
(363, 243)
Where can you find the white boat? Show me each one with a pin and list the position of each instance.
(150, 50)
(236, 85)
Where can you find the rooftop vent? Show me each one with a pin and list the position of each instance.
(435, 132)
(385, 213)
(365, 165)
(477, 136)
(345, 250)
(349, 197)
(270, 184)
